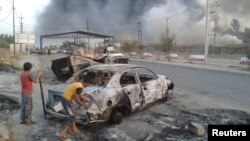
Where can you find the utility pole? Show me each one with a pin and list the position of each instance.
(13, 10)
(88, 32)
(139, 35)
(214, 38)
(206, 34)
(21, 24)
(167, 18)
(215, 24)
(208, 12)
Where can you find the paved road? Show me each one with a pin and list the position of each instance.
(227, 87)
(230, 88)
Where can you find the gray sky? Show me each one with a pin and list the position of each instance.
(120, 17)
(29, 9)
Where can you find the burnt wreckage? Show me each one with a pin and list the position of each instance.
(65, 67)
(116, 90)
(81, 58)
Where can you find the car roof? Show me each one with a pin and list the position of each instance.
(112, 67)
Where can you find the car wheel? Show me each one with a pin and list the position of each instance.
(116, 117)
(165, 96)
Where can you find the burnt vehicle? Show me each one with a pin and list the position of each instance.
(116, 90)
(115, 56)
(65, 67)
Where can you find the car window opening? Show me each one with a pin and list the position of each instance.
(128, 78)
(98, 77)
(146, 77)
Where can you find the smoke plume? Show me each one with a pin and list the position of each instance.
(186, 18)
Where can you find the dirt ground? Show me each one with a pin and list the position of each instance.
(162, 121)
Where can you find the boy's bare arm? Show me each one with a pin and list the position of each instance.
(85, 98)
(38, 75)
(78, 100)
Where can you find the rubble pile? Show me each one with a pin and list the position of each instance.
(8, 103)
(8, 68)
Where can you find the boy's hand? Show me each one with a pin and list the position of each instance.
(87, 99)
(39, 72)
(86, 107)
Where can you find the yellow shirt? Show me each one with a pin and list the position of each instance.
(70, 92)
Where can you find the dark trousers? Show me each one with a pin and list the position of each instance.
(26, 107)
(70, 111)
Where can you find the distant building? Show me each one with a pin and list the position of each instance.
(23, 43)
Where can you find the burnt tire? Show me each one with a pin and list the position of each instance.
(165, 97)
(116, 117)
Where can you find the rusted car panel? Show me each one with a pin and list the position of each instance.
(64, 68)
(81, 58)
(119, 87)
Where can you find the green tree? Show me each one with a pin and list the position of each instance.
(6, 40)
(129, 46)
(4, 43)
(167, 41)
(65, 45)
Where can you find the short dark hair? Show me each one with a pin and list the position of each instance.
(27, 66)
(79, 90)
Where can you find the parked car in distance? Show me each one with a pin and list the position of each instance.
(115, 55)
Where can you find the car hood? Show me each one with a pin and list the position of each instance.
(61, 88)
(92, 89)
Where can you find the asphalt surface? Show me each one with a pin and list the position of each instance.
(230, 88)
(225, 87)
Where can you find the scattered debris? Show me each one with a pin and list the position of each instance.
(8, 68)
(114, 92)
(4, 133)
(8, 103)
(196, 129)
(65, 67)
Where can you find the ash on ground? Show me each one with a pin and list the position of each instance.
(163, 121)
(8, 68)
(8, 103)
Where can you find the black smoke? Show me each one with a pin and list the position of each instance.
(113, 17)
(107, 16)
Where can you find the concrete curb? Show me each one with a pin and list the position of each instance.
(213, 67)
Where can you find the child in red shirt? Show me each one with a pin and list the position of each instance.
(27, 105)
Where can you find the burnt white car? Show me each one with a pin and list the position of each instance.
(116, 90)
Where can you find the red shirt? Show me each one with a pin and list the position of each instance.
(26, 81)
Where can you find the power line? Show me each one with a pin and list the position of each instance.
(10, 3)
(16, 13)
(6, 16)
